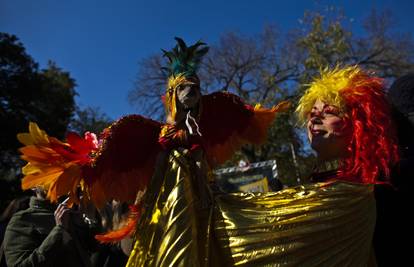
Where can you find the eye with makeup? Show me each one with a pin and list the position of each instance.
(331, 110)
(326, 111)
(311, 115)
(314, 112)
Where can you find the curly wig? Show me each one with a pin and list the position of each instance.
(362, 102)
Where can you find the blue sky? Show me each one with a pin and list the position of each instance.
(100, 42)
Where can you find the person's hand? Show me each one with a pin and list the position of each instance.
(62, 216)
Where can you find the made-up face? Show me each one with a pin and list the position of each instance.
(328, 133)
(188, 95)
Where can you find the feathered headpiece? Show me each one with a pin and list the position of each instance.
(182, 69)
(361, 100)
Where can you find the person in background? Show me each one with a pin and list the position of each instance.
(44, 235)
(14, 206)
(393, 220)
(113, 216)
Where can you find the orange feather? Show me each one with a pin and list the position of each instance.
(117, 235)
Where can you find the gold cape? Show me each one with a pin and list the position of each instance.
(323, 224)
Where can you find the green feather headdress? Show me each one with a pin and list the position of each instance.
(182, 69)
(185, 60)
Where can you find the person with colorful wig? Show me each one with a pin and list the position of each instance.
(330, 221)
(349, 125)
(348, 120)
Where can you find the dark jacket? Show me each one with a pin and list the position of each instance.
(33, 239)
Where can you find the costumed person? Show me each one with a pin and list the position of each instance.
(162, 168)
(349, 126)
(331, 221)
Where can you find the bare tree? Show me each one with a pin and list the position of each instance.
(328, 41)
(389, 53)
(253, 67)
(150, 87)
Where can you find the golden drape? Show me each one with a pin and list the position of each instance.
(324, 224)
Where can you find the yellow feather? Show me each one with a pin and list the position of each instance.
(39, 137)
(44, 180)
(30, 169)
(25, 139)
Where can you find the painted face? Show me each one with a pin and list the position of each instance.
(188, 95)
(327, 131)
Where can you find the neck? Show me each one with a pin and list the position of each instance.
(41, 203)
(181, 116)
(327, 165)
(324, 171)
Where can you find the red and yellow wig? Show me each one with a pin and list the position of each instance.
(364, 107)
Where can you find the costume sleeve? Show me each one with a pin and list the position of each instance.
(24, 247)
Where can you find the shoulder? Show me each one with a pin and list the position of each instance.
(31, 219)
(21, 216)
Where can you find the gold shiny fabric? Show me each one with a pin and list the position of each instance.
(324, 224)
(174, 229)
(313, 225)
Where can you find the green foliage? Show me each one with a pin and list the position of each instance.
(324, 44)
(327, 41)
(55, 103)
(28, 94)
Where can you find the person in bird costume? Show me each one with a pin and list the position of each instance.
(164, 171)
(163, 168)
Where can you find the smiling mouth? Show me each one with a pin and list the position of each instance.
(316, 132)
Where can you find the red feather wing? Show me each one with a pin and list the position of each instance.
(125, 161)
(227, 123)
